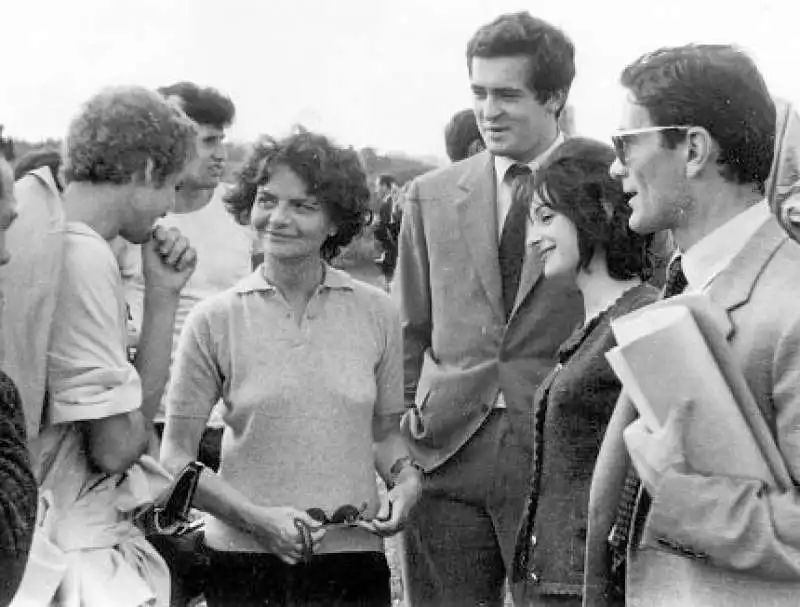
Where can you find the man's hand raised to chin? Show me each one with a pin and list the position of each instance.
(168, 260)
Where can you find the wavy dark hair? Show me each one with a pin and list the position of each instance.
(461, 135)
(333, 174)
(575, 182)
(204, 105)
(550, 52)
(717, 87)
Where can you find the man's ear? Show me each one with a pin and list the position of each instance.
(701, 151)
(556, 103)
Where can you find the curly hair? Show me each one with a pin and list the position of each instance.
(204, 105)
(333, 174)
(576, 183)
(718, 88)
(124, 132)
(551, 52)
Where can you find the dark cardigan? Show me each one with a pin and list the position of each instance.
(571, 411)
(17, 492)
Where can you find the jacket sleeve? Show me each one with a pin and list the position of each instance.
(412, 291)
(738, 524)
(17, 492)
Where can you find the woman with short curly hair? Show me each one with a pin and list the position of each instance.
(307, 362)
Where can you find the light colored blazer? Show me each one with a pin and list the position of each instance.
(747, 536)
(458, 350)
(29, 285)
(783, 185)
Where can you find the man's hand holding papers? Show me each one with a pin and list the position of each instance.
(653, 453)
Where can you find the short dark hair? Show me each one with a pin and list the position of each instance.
(387, 180)
(716, 87)
(37, 158)
(550, 51)
(460, 135)
(331, 173)
(576, 183)
(204, 105)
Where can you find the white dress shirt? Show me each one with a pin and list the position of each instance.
(503, 201)
(503, 184)
(703, 262)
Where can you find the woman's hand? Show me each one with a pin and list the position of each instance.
(279, 531)
(394, 513)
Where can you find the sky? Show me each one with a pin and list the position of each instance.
(381, 73)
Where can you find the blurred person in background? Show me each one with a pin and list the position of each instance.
(387, 226)
(38, 158)
(580, 227)
(462, 137)
(783, 185)
(308, 364)
(17, 482)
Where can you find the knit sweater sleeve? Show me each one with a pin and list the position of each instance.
(17, 492)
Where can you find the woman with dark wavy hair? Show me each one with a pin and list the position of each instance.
(307, 362)
(580, 227)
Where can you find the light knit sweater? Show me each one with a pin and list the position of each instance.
(299, 400)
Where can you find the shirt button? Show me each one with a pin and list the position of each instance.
(534, 577)
(534, 541)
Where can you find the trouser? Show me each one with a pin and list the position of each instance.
(352, 579)
(459, 544)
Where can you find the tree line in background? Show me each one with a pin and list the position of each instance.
(363, 250)
(402, 167)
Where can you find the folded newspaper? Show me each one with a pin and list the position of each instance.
(675, 350)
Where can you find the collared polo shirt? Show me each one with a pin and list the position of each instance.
(299, 398)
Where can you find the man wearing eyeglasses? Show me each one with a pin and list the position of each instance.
(694, 152)
(481, 325)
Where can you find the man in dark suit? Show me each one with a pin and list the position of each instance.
(481, 325)
(695, 152)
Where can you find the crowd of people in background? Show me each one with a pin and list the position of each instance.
(160, 325)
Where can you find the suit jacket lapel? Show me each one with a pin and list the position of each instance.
(478, 216)
(733, 286)
(531, 271)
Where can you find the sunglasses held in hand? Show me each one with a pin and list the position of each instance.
(344, 516)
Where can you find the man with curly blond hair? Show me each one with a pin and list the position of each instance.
(125, 153)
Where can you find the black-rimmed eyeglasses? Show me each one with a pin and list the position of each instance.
(620, 138)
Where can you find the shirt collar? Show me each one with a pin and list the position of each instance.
(503, 163)
(715, 251)
(333, 279)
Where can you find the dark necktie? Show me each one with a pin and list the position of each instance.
(511, 252)
(620, 532)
